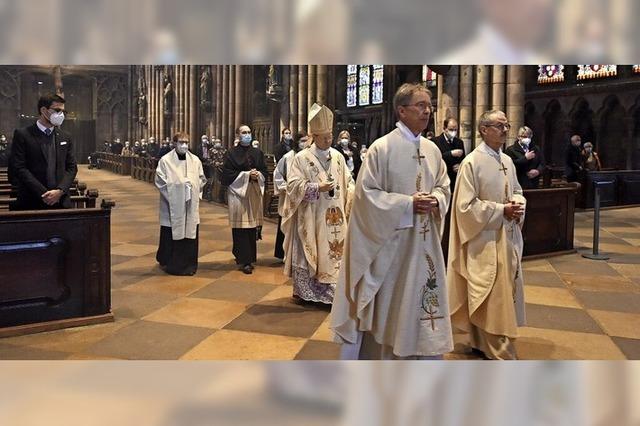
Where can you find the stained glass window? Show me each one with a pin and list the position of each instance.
(550, 74)
(352, 85)
(365, 85)
(636, 69)
(378, 83)
(429, 78)
(596, 71)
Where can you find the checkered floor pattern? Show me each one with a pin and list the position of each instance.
(576, 308)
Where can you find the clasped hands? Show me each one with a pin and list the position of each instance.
(424, 203)
(514, 211)
(253, 174)
(52, 196)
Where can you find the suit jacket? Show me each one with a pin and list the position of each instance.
(516, 152)
(446, 148)
(30, 167)
(572, 162)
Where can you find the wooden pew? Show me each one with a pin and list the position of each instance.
(56, 269)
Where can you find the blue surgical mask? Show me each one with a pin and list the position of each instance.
(246, 139)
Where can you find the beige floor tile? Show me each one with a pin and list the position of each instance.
(281, 292)
(537, 343)
(138, 264)
(198, 312)
(75, 339)
(324, 333)
(618, 323)
(217, 257)
(242, 345)
(598, 283)
(550, 297)
(260, 274)
(134, 249)
(626, 270)
(169, 284)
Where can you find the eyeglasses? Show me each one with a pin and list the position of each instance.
(422, 106)
(57, 109)
(500, 126)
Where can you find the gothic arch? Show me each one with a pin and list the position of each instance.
(535, 122)
(582, 117)
(556, 133)
(613, 144)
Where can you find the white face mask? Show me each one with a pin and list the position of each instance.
(217, 145)
(56, 118)
(182, 148)
(525, 141)
(3, 139)
(452, 133)
(287, 137)
(344, 142)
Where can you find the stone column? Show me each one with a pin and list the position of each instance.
(515, 100)
(482, 97)
(218, 100)
(448, 95)
(311, 85)
(321, 84)
(466, 106)
(293, 98)
(227, 139)
(193, 106)
(239, 90)
(231, 119)
(285, 112)
(497, 87)
(302, 97)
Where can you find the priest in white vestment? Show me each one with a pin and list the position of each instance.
(180, 180)
(315, 212)
(391, 299)
(485, 245)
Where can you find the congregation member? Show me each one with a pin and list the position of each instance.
(285, 144)
(41, 163)
(573, 159)
(590, 158)
(527, 158)
(451, 147)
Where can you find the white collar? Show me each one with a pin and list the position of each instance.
(42, 127)
(320, 154)
(408, 134)
(488, 150)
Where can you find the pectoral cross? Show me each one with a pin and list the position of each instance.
(418, 157)
(503, 169)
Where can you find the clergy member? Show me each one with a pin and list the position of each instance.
(244, 172)
(315, 212)
(391, 298)
(485, 244)
(180, 179)
(280, 186)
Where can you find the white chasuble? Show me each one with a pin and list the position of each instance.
(485, 249)
(392, 280)
(180, 183)
(315, 223)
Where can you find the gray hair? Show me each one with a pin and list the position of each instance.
(525, 130)
(588, 145)
(405, 93)
(487, 118)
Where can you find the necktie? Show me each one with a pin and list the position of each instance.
(47, 132)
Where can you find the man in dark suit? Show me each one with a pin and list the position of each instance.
(527, 158)
(452, 148)
(573, 159)
(42, 159)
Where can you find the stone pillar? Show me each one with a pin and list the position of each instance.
(321, 84)
(448, 95)
(218, 100)
(150, 97)
(239, 90)
(285, 112)
(515, 100)
(193, 105)
(482, 97)
(311, 85)
(466, 107)
(302, 97)
(227, 139)
(293, 98)
(231, 119)
(497, 87)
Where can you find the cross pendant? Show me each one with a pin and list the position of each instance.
(425, 231)
(418, 157)
(503, 169)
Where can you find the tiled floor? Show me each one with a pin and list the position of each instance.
(576, 308)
